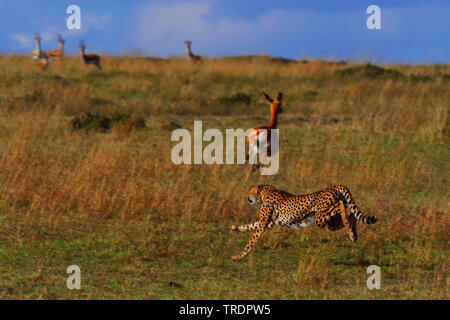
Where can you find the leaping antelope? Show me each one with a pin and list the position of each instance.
(190, 55)
(57, 54)
(42, 58)
(89, 58)
(263, 134)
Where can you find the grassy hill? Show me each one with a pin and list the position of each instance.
(86, 178)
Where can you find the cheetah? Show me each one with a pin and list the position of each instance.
(326, 208)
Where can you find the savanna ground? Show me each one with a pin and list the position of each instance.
(86, 178)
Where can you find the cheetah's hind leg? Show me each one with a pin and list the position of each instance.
(352, 227)
(334, 218)
(348, 220)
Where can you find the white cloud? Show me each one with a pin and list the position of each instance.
(23, 40)
(161, 28)
(92, 21)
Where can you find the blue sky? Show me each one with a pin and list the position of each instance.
(412, 31)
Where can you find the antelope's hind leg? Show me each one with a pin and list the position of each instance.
(253, 165)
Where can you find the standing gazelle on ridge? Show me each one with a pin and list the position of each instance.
(256, 136)
(57, 54)
(189, 54)
(42, 58)
(89, 58)
(36, 53)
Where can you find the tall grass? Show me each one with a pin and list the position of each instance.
(139, 226)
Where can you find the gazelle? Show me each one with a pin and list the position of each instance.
(36, 53)
(57, 54)
(263, 134)
(43, 61)
(89, 58)
(190, 55)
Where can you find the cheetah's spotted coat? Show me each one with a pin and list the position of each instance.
(326, 208)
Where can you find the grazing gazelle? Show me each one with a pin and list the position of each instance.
(89, 58)
(190, 55)
(57, 54)
(263, 134)
(43, 60)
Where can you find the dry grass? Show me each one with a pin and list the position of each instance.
(139, 226)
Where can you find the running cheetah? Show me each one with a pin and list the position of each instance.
(326, 208)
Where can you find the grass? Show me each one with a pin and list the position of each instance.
(111, 201)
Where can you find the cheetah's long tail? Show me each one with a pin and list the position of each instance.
(353, 208)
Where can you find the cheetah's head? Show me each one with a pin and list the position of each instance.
(254, 195)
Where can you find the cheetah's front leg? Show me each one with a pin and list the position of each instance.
(245, 227)
(260, 228)
(250, 227)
